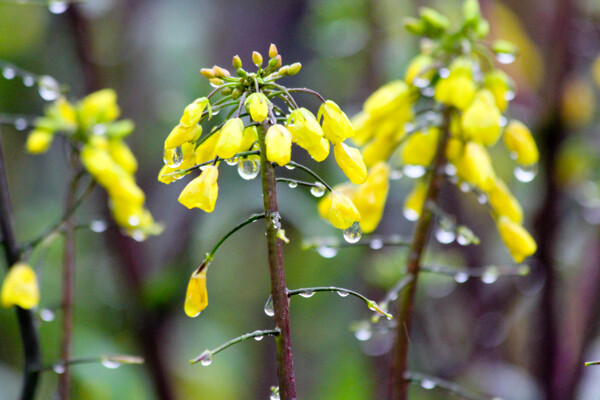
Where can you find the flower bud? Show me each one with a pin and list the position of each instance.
(273, 51)
(181, 134)
(416, 26)
(475, 167)
(39, 141)
(435, 22)
(279, 144)
(99, 107)
(230, 138)
(342, 213)
(202, 192)
(122, 155)
(237, 62)
(351, 162)
(519, 242)
(336, 125)
(215, 81)
(413, 204)
(420, 147)
(388, 99)
(257, 106)
(221, 72)
(284, 70)
(257, 58)
(504, 47)
(20, 287)
(518, 140)
(196, 297)
(458, 89)
(208, 73)
(294, 68)
(250, 137)
(500, 85)
(471, 12)
(481, 120)
(504, 203)
(371, 196)
(416, 69)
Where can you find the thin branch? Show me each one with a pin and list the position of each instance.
(207, 355)
(431, 382)
(375, 242)
(312, 173)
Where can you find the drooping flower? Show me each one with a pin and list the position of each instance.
(518, 140)
(257, 106)
(202, 192)
(336, 125)
(516, 238)
(279, 144)
(481, 120)
(351, 162)
(20, 287)
(196, 297)
(230, 138)
(342, 212)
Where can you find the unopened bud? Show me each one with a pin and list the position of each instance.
(216, 81)
(284, 70)
(226, 91)
(434, 19)
(294, 68)
(279, 61)
(257, 58)
(504, 47)
(241, 73)
(471, 12)
(220, 72)
(236, 93)
(414, 26)
(273, 51)
(237, 62)
(208, 73)
(483, 28)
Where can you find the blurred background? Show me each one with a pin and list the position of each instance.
(514, 337)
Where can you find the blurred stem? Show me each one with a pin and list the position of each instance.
(239, 339)
(68, 280)
(285, 364)
(398, 389)
(29, 335)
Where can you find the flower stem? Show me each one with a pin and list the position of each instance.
(29, 335)
(398, 385)
(285, 364)
(239, 339)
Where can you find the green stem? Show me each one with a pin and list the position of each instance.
(312, 173)
(209, 162)
(285, 364)
(431, 382)
(28, 330)
(209, 353)
(398, 386)
(375, 242)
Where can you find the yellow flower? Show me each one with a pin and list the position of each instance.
(413, 205)
(416, 69)
(371, 196)
(189, 160)
(347, 189)
(504, 203)
(99, 107)
(420, 147)
(230, 138)
(249, 138)
(336, 125)
(257, 106)
(202, 192)
(475, 167)
(39, 141)
(122, 155)
(351, 162)
(388, 99)
(516, 238)
(64, 112)
(500, 85)
(99, 164)
(342, 212)
(481, 121)
(193, 112)
(458, 89)
(208, 149)
(20, 287)
(363, 128)
(454, 149)
(182, 134)
(518, 140)
(307, 133)
(279, 144)
(196, 297)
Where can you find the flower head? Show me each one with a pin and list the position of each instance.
(257, 105)
(202, 192)
(342, 212)
(196, 297)
(351, 162)
(336, 125)
(516, 238)
(20, 287)
(279, 144)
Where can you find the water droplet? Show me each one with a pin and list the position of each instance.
(502, 121)
(444, 73)
(293, 184)
(427, 384)
(269, 308)
(290, 167)
(482, 198)
(525, 173)
(231, 161)
(490, 275)
(133, 220)
(274, 394)
(58, 6)
(20, 124)
(138, 235)
(428, 91)
(9, 73)
(410, 214)
(58, 368)
(409, 127)
(376, 244)
(206, 358)
(98, 226)
(173, 157)
(342, 293)
(513, 155)
(353, 234)
(363, 334)
(464, 187)
(505, 58)
(462, 239)
(28, 80)
(414, 171)
(445, 235)
(306, 294)
(421, 82)
(258, 338)
(450, 169)
(509, 95)
(110, 364)
(248, 169)
(327, 251)
(461, 277)
(396, 174)
(99, 129)
(48, 88)
(47, 315)
(318, 190)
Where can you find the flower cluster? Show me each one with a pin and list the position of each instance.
(402, 122)
(93, 128)
(261, 116)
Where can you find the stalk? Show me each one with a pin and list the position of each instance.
(285, 364)
(398, 385)
(27, 328)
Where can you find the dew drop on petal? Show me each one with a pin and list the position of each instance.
(318, 190)
(58, 6)
(327, 251)
(48, 88)
(525, 173)
(248, 169)
(353, 233)
(173, 157)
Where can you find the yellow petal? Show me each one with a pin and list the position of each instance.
(504, 203)
(413, 204)
(202, 192)
(475, 167)
(257, 106)
(279, 144)
(518, 140)
(99, 107)
(336, 125)
(20, 287)
(420, 147)
(516, 238)
(181, 134)
(370, 198)
(342, 212)
(388, 99)
(122, 155)
(481, 120)
(196, 297)
(230, 138)
(193, 112)
(351, 162)
(38, 141)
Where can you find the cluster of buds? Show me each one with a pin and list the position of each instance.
(261, 116)
(455, 75)
(93, 128)
(237, 139)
